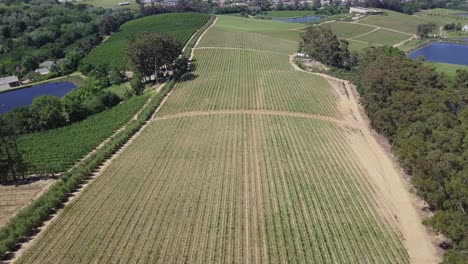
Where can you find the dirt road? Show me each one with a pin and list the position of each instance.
(385, 175)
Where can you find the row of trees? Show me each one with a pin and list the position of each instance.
(424, 115)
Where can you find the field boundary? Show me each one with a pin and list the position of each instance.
(257, 113)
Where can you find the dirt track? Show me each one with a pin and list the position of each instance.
(385, 175)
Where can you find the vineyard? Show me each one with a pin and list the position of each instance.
(253, 161)
(112, 52)
(58, 149)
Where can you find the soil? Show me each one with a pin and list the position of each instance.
(398, 205)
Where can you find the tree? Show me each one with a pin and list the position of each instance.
(321, 44)
(11, 161)
(423, 30)
(137, 85)
(151, 52)
(108, 25)
(47, 112)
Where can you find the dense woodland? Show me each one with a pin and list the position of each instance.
(425, 117)
(423, 114)
(38, 30)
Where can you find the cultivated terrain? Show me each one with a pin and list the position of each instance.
(253, 161)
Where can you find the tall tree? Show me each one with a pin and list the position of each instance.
(151, 52)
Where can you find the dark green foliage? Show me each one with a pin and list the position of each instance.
(425, 117)
(12, 164)
(321, 44)
(137, 85)
(34, 31)
(151, 52)
(423, 30)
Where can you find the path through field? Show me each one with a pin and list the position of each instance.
(253, 161)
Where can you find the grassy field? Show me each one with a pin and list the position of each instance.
(58, 149)
(180, 26)
(248, 163)
(394, 20)
(349, 30)
(384, 37)
(449, 69)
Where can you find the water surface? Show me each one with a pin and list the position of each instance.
(443, 52)
(304, 19)
(23, 97)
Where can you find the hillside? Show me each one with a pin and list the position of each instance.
(253, 161)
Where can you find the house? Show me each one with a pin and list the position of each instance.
(365, 11)
(124, 3)
(9, 82)
(42, 71)
(465, 28)
(44, 67)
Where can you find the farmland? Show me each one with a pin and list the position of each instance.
(13, 198)
(250, 162)
(112, 51)
(53, 151)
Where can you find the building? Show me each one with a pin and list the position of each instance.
(44, 67)
(9, 82)
(124, 3)
(364, 11)
(465, 28)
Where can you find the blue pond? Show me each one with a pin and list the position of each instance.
(463, 14)
(23, 97)
(443, 52)
(299, 19)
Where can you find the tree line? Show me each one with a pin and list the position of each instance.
(424, 115)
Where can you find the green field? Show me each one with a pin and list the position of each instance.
(112, 52)
(250, 162)
(348, 30)
(58, 149)
(384, 37)
(396, 21)
(449, 69)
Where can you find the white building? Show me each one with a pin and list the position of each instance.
(364, 11)
(465, 28)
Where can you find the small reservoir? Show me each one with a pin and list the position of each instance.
(304, 19)
(444, 52)
(24, 96)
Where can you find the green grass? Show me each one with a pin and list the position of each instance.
(290, 14)
(394, 20)
(120, 90)
(58, 149)
(384, 37)
(245, 24)
(181, 26)
(357, 46)
(348, 30)
(449, 69)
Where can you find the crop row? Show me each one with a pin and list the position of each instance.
(58, 149)
(233, 188)
(238, 79)
(112, 52)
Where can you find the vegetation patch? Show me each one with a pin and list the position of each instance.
(112, 52)
(58, 149)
